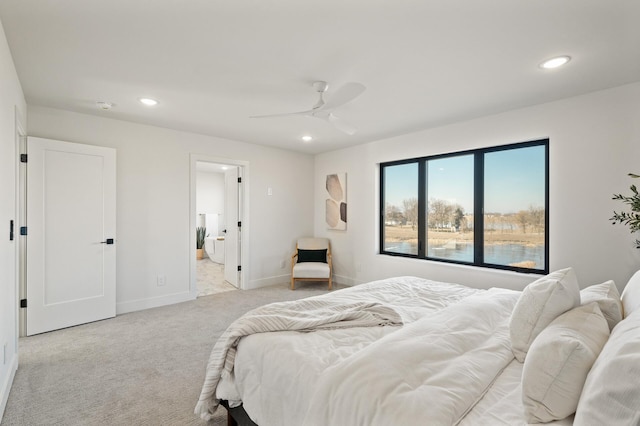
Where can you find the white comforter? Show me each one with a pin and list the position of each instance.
(430, 372)
(279, 376)
(387, 302)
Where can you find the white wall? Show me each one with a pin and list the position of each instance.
(594, 143)
(210, 197)
(11, 100)
(153, 233)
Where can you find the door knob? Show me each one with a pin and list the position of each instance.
(107, 241)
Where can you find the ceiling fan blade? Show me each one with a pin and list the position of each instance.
(286, 114)
(341, 125)
(344, 94)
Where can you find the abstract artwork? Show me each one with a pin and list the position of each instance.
(336, 203)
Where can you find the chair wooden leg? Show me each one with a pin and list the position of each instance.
(330, 283)
(293, 283)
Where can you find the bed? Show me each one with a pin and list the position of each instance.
(407, 350)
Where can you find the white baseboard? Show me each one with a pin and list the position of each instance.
(265, 282)
(153, 302)
(286, 278)
(6, 385)
(348, 281)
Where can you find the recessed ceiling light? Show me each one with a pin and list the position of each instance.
(148, 101)
(307, 138)
(104, 105)
(556, 62)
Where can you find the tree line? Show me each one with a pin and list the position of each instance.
(448, 216)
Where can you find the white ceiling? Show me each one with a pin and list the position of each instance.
(214, 63)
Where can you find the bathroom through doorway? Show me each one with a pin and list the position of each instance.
(217, 201)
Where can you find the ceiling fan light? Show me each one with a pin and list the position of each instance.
(556, 62)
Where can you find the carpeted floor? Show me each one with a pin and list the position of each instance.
(141, 368)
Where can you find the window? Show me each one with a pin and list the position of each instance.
(400, 213)
(485, 207)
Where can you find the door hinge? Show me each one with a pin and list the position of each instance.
(23, 158)
(23, 230)
(11, 230)
(239, 268)
(239, 180)
(23, 303)
(239, 224)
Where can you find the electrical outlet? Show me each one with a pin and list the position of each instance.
(162, 280)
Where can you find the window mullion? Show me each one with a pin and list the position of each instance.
(478, 209)
(422, 209)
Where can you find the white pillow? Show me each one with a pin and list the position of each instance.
(540, 303)
(558, 363)
(611, 394)
(631, 295)
(608, 299)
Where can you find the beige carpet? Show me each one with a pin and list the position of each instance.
(142, 368)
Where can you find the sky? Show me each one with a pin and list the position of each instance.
(514, 180)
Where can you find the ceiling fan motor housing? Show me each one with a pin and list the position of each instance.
(320, 86)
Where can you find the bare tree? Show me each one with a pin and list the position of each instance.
(393, 215)
(411, 211)
(522, 219)
(438, 213)
(536, 218)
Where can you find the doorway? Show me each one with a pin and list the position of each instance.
(217, 206)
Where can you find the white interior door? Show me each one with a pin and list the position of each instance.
(71, 222)
(231, 246)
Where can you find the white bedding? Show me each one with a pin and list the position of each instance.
(459, 349)
(410, 297)
(502, 404)
(432, 371)
(448, 364)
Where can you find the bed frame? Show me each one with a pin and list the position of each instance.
(237, 416)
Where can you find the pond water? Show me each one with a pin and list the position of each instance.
(498, 254)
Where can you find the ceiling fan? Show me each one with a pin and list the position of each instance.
(324, 109)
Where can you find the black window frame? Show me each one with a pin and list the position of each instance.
(478, 213)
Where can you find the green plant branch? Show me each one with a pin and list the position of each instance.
(631, 219)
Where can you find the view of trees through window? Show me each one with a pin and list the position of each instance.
(512, 203)
(401, 213)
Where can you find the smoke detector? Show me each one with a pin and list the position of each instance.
(104, 105)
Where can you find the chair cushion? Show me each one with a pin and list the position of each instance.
(312, 256)
(311, 270)
(309, 243)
